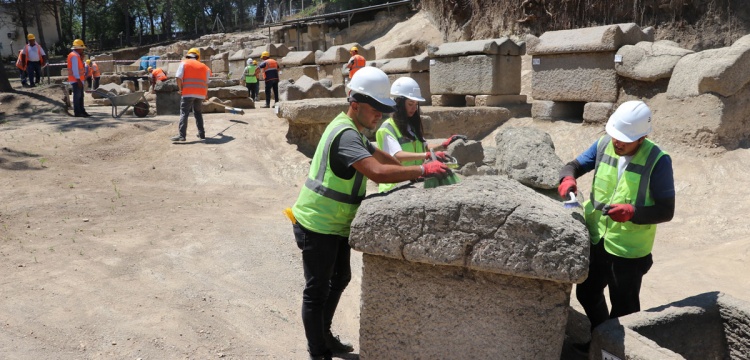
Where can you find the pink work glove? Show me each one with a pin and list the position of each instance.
(439, 155)
(453, 138)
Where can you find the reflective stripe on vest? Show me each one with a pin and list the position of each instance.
(626, 239)
(250, 74)
(359, 62)
(194, 80)
(73, 56)
(159, 74)
(327, 203)
(415, 146)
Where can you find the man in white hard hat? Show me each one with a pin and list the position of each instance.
(330, 197)
(632, 191)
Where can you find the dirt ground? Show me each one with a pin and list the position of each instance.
(116, 243)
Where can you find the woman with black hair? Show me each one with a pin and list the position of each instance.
(402, 135)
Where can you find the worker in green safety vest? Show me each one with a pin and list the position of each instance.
(632, 191)
(330, 197)
(250, 77)
(402, 135)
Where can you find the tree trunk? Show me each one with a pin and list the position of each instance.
(83, 20)
(150, 16)
(202, 17)
(4, 82)
(260, 12)
(55, 11)
(167, 17)
(38, 16)
(21, 9)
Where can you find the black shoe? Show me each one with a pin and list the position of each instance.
(582, 348)
(177, 138)
(266, 106)
(86, 115)
(202, 136)
(337, 346)
(320, 357)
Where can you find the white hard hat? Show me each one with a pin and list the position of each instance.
(373, 84)
(249, 61)
(406, 87)
(630, 122)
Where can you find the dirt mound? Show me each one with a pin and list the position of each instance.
(32, 101)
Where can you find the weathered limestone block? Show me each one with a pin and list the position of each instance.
(668, 331)
(331, 71)
(212, 105)
(448, 100)
(528, 155)
(476, 75)
(297, 58)
(474, 122)
(308, 119)
(466, 152)
(501, 46)
(499, 100)
(553, 110)
(647, 61)
(473, 268)
(607, 38)
(106, 65)
(206, 52)
(334, 55)
(230, 92)
(238, 61)
(597, 112)
(275, 51)
(222, 82)
(422, 79)
(469, 99)
(109, 79)
(129, 85)
(220, 62)
(295, 72)
(575, 77)
(722, 71)
(243, 103)
(405, 65)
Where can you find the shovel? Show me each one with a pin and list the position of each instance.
(229, 109)
(573, 202)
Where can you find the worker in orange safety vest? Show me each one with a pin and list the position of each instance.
(92, 73)
(34, 59)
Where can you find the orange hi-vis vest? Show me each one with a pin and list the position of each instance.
(20, 64)
(38, 51)
(159, 74)
(194, 80)
(359, 62)
(74, 56)
(92, 70)
(271, 70)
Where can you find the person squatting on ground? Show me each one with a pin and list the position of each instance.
(402, 135)
(632, 191)
(92, 74)
(251, 74)
(34, 59)
(76, 76)
(155, 76)
(192, 81)
(270, 70)
(330, 197)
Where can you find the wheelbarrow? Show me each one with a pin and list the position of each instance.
(137, 100)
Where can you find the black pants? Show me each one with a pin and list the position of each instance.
(325, 261)
(622, 276)
(78, 109)
(34, 68)
(272, 84)
(252, 88)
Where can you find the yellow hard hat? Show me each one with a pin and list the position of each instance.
(255, 62)
(149, 69)
(354, 48)
(78, 44)
(30, 37)
(194, 51)
(88, 61)
(265, 54)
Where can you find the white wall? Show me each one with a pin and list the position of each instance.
(7, 25)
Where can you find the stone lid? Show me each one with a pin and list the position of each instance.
(406, 65)
(501, 46)
(591, 39)
(484, 223)
(296, 58)
(334, 55)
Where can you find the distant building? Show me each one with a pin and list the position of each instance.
(12, 38)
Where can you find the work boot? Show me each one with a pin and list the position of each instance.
(335, 344)
(202, 136)
(177, 138)
(320, 357)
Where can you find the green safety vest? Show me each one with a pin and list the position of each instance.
(626, 239)
(250, 74)
(389, 128)
(327, 203)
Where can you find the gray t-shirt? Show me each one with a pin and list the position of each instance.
(346, 149)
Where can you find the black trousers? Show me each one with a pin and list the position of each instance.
(272, 84)
(623, 277)
(325, 261)
(78, 109)
(252, 88)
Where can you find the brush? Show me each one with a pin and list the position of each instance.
(573, 202)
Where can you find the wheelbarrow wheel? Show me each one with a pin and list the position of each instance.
(140, 109)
